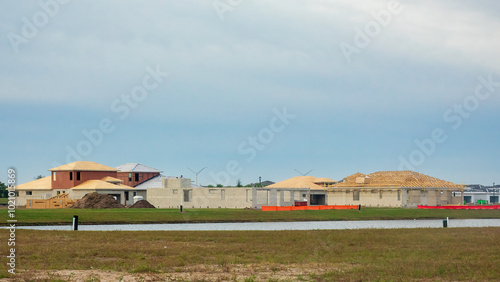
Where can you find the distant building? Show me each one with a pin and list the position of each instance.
(476, 193)
(133, 174)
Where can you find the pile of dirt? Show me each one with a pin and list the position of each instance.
(142, 204)
(97, 201)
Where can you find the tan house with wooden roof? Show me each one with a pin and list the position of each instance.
(75, 179)
(378, 189)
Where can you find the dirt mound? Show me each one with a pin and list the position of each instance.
(97, 201)
(142, 204)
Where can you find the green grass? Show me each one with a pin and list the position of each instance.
(394, 254)
(116, 216)
(4, 201)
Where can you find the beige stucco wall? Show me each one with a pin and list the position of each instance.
(226, 197)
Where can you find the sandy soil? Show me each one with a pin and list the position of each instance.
(193, 273)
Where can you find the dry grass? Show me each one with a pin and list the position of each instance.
(119, 216)
(409, 254)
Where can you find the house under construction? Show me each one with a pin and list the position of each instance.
(378, 189)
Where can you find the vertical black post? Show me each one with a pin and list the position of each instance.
(445, 223)
(181, 208)
(75, 222)
(359, 207)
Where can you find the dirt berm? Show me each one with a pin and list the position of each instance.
(97, 201)
(142, 204)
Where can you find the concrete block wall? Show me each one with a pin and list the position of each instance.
(375, 197)
(21, 200)
(216, 197)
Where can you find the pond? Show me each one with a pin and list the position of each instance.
(275, 226)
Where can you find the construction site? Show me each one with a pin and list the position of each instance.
(71, 182)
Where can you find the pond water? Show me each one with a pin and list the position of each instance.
(274, 226)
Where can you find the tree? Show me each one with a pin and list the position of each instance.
(39, 177)
(210, 186)
(238, 183)
(220, 185)
(3, 191)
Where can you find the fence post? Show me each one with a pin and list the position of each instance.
(75, 222)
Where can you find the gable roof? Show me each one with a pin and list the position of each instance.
(100, 185)
(83, 166)
(136, 167)
(39, 184)
(396, 179)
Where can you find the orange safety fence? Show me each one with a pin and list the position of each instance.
(493, 207)
(302, 208)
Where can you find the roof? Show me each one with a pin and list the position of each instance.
(83, 166)
(100, 185)
(136, 167)
(39, 184)
(298, 182)
(324, 180)
(395, 179)
(111, 179)
(154, 182)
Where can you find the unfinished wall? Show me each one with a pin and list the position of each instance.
(373, 197)
(205, 197)
(21, 200)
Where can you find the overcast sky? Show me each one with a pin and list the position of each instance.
(252, 88)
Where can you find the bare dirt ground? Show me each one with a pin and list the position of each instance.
(237, 272)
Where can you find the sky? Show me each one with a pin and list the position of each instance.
(250, 89)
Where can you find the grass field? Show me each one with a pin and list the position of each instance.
(96, 216)
(4, 200)
(411, 254)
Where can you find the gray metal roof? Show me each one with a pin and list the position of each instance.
(154, 182)
(136, 167)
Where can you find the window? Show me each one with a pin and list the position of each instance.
(77, 175)
(287, 196)
(137, 177)
(248, 194)
(222, 194)
(380, 195)
(70, 175)
(355, 195)
(126, 196)
(135, 194)
(29, 193)
(187, 195)
(53, 176)
(129, 177)
(399, 195)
